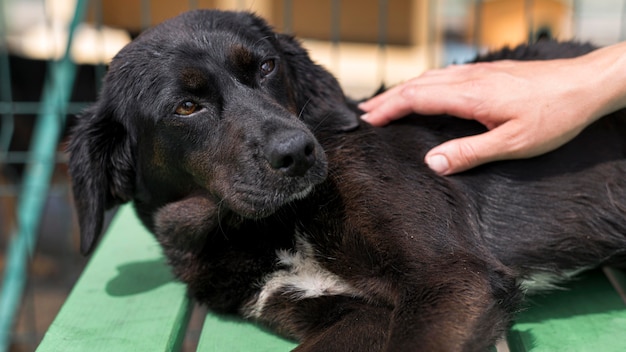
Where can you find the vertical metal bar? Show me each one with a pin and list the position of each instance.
(335, 32)
(575, 18)
(288, 16)
(100, 69)
(478, 7)
(145, 15)
(335, 21)
(383, 25)
(431, 35)
(528, 14)
(193, 4)
(622, 32)
(36, 181)
(7, 123)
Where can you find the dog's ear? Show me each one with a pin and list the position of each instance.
(102, 170)
(317, 93)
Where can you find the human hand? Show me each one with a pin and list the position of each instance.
(529, 107)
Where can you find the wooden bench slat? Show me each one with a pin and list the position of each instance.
(224, 333)
(125, 300)
(588, 316)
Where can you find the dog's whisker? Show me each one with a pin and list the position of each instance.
(323, 120)
(260, 40)
(302, 109)
(219, 219)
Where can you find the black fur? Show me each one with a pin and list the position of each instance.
(275, 158)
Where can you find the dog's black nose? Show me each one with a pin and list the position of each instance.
(291, 152)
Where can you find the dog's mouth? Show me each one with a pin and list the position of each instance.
(258, 206)
(264, 196)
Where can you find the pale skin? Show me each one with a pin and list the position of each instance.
(528, 107)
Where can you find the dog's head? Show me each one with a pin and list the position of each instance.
(211, 103)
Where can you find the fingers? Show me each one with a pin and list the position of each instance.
(431, 99)
(387, 109)
(465, 153)
(377, 100)
(442, 91)
(456, 155)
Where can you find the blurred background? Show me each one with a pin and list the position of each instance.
(43, 84)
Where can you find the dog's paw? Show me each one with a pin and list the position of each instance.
(186, 223)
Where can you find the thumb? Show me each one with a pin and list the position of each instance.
(465, 153)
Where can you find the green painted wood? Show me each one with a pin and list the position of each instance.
(588, 316)
(125, 300)
(225, 333)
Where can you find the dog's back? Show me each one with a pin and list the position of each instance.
(561, 210)
(554, 214)
(557, 212)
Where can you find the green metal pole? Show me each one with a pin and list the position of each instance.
(7, 125)
(36, 182)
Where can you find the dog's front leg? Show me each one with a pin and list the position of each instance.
(184, 225)
(362, 328)
(460, 308)
(330, 323)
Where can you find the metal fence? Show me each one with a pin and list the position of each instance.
(39, 97)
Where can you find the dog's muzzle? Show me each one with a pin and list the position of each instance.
(291, 153)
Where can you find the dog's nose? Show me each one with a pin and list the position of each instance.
(292, 153)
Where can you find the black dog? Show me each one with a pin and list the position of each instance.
(272, 200)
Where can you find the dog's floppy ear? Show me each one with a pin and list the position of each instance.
(101, 166)
(316, 92)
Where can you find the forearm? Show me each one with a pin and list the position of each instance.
(607, 73)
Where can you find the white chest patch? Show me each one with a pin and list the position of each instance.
(301, 277)
(542, 281)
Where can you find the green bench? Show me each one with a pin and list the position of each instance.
(126, 300)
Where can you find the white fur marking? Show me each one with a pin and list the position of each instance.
(545, 281)
(302, 194)
(303, 277)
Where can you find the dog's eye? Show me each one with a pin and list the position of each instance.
(187, 108)
(267, 67)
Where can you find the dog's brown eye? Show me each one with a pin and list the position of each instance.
(186, 108)
(267, 67)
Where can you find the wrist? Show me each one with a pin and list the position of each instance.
(607, 69)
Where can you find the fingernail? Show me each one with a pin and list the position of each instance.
(365, 117)
(438, 163)
(363, 107)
